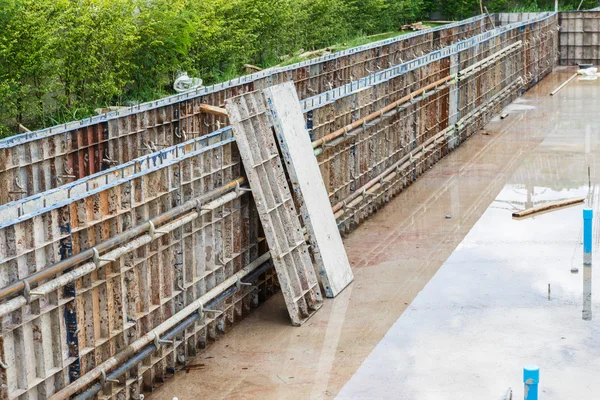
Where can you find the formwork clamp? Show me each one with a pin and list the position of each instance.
(239, 284)
(239, 189)
(347, 207)
(365, 194)
(27, 293)
(347, 133)
(104, 380)
(97, 259)
(158, 342)
(152, 231)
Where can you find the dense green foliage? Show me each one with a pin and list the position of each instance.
(60, 59)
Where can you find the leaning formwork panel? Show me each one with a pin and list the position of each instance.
(275, 205)
(34, 162)
(303, 171)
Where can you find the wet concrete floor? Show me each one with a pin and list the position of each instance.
(485, 313)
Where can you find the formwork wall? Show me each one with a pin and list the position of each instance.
(579, 40)
(49, 341)
(34, 162)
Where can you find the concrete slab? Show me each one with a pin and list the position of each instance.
(397, 251)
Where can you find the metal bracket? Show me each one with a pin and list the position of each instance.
(217, 312)
(104, 380)
(182, 135)
(152, 231)
(220, 259)
(27, 293)
(347, 134)
(239, 284)
(156, 341)
(97, 259)
(347, 207)
(239, 189)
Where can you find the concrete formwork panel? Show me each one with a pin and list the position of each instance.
(579, 37)
(275, 205)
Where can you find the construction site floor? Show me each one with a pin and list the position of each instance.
(450, 298)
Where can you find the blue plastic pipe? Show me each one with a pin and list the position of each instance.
(588, 219)
(588, 215)
(531, 378)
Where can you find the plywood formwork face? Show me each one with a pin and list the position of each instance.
(39, 161)
(69, 331)
(579, 38)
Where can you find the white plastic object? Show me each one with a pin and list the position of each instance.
(183, 83)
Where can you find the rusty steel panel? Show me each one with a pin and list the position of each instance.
(579, 37)
(60, 336)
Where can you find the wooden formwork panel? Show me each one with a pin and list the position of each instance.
(32, 166)
(275, 204)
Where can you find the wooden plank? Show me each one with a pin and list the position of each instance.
(548, 207)
(213, 110)
(275, 206)
(309, 188)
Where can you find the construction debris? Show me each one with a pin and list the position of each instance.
(563, 85)
(252, 68)
(416, 26)
(184, 83)
(213, 110)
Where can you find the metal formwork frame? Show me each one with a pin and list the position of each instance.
(275, 205)
(579, 37)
